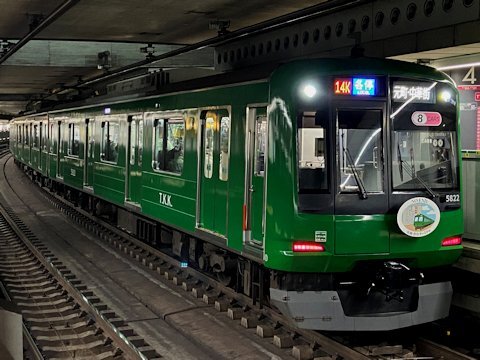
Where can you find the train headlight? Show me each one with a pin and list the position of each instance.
(446, 96)
(309, 91)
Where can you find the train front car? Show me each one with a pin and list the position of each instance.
(363, 206)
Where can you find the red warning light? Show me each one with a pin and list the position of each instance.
(342, 86)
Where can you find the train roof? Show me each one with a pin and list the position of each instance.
(325, 66)
(361, 65)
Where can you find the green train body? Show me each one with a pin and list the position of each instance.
(299, 171)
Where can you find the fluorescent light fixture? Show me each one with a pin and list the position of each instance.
(458, 66)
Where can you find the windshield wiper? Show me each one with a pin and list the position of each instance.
(362, 192)
(413, 175)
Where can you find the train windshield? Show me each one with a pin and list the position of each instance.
(424, 135)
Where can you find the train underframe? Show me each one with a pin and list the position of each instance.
(376, 296)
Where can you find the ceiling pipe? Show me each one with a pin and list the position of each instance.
(278, 22)
(59, 11)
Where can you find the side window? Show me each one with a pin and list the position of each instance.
(224, 147)
(110, 139)
(312, 152)
(168, 144)
(73, 139)
(158, 140)
(35, 137)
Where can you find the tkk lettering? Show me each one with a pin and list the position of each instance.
(166, 199)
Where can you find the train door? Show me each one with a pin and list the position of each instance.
(213, 174)
(133, 180)
(89, 155)
(361, 181)
(254, 212)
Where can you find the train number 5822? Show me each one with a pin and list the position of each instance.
(452, 198)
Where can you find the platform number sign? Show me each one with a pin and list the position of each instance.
(468, 84)
(470, 76)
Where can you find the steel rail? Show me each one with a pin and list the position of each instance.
(123, 343)
(425, 346)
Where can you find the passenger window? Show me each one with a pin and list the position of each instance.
(35, 136)
(224, 148)
(73, 140)
(110, 140)
(312, 152)
(208, 152)
(168, 144)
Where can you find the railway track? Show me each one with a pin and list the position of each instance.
(264, 321)
(62, 318)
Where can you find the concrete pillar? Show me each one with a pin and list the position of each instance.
(11, 336)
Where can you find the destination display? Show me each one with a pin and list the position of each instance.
(355, 86)
(413, 92)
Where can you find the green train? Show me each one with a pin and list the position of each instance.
(295, 184)
(421, 221)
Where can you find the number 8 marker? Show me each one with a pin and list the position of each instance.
(426, 118)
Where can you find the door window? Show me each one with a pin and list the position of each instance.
(133, 141)
(224, 148)
(360, 150)
(260, 144)
(91, 138)
(208, 148)
(140, 142)
(73, 139)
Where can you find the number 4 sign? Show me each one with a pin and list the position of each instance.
(470, 76)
